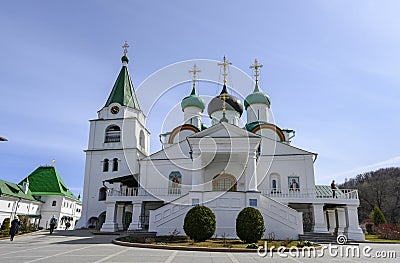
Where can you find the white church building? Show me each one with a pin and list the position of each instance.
(224, 167)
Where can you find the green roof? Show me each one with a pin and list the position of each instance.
(46, 181)
(257, 97)
(193, 101)
(14, 190)
(252, 125)
(123, 92)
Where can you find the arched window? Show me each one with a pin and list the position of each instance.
(102, 194)
(274, 184)
(113, 134)
(106, 164)
(115, 164)
(141, 139)
(224, 182)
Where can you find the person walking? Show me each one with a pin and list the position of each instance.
(53, 223)
(14, 228)
(334, 189)
(67, 225)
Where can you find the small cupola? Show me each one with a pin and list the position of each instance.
(193, 105)
(257, 97)
(257, 103)
(193, 100)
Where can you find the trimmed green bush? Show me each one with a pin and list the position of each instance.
(250, 225)
(6, 224)
(377, 216)
(199, 223)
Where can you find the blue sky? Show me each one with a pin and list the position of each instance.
(331, 68)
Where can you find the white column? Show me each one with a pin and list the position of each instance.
(120, 215)
(340, 220)
(251, 173)
(352, 229)
(197, 174)
(319, 225)
(330, 214)
(109, 225)
(136, 213)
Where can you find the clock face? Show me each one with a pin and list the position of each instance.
(114, 109)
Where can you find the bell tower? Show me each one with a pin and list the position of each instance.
(118, 138)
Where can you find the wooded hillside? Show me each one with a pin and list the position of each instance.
(381, 188)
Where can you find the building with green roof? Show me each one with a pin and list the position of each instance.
(18, 200)
(46, 185)
(39, 196)
(45, 181)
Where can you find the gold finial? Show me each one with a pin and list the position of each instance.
(52, 162)
(125, 47)
(194, 71)
(224, 65)
(256, 66)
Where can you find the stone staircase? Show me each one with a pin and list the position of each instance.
(318, 237)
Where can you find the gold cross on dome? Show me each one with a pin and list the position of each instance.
(224, 65)
(224, 97)
(125, 47)
(256, 66)
(194, 71)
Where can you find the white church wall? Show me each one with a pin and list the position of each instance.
(192, 115)
(257, 112)
(182, 135)
(157, 173)
(278, 218)
(227, 164)
(268, 133)
(285, 168)
(10, 206)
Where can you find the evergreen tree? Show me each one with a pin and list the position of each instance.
(377, 216)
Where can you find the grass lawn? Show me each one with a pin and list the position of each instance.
(374, 238)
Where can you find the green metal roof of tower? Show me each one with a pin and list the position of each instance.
(123, 91)
(193, 101)
(46, 181)
(257, 97)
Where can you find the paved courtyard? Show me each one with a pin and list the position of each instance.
(81, 246)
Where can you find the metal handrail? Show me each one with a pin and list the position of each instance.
(311, 193)
(139, 191)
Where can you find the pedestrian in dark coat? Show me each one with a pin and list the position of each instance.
(14, 228)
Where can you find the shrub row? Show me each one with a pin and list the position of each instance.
(200, 224)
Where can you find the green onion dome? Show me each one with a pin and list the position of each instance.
(257, 97)
(193, 101)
